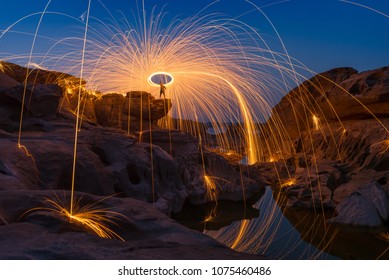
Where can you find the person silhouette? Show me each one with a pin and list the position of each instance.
(162, 89)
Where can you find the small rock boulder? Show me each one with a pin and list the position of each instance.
(369, 206)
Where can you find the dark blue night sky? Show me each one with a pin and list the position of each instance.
(322, 34)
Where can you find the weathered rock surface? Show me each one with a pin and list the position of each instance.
(332, 95)
(370, 88)
(368, 206)
(194, 162)
(147, 233)
(333, 163)
(7, 82)
(39, 100)
(108, 162)
(293, 109)
(135, 112)
(341, 165)
(38, 76)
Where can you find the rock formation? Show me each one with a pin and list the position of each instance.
(136, 111)
(36, 76)
(194, 162)
(342, 165)
(144, 180)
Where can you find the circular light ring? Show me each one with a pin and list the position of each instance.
(150, 81)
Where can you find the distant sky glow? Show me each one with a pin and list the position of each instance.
(322, 34)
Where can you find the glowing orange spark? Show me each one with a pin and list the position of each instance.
(289, 183)
(383, 146)
(211, 187)
(211, 215)
(24, 148)
(2, 67)
(78, 112)
(316, 122)
(242, 230)
(89, 215)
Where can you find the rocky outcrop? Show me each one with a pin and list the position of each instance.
(340, 163)
(185, 152)
(294, 111)
(335, 167)
(108, 160)
(35, 76)
(166, 173)
(338, 94)
(142, 105)
(39, 100)
(143, 181)
(370, 88)
(134, 112)
(194, 162)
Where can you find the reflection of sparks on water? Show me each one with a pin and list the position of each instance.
(211, 215)
(384, 236)
(259, 235)
(241, 234)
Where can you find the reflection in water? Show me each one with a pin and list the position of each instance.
(285, 233)
(270, 234)
(212, 216)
